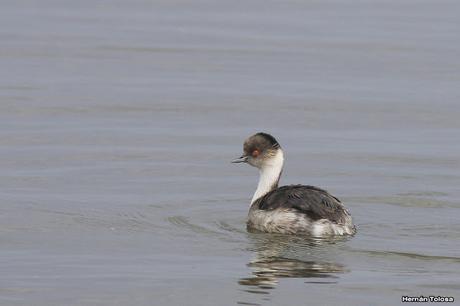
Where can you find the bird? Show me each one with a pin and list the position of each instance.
(291, 209)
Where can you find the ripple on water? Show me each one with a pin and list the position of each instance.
(184, 223)
(415, 256)
(223, 225)
(118, 221)
(217, 229)
(247, 303)
(421, 200)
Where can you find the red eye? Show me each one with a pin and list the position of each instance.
(255, 153)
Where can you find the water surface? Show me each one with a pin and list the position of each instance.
(119, 119)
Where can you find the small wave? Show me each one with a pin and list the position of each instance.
(183, 222)
(123, 221)
(406, 201)
(229, 228)
(411, 255)
(218, 229)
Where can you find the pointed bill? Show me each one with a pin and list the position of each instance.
(241, 159)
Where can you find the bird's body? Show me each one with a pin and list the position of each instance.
(296, 209)
(292, 209)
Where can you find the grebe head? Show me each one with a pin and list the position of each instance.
(260, 150)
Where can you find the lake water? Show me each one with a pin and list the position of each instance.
(119, 120)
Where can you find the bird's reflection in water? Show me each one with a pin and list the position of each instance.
(282, 256)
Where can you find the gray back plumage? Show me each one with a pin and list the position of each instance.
(316, 203)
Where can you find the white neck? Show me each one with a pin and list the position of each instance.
(270, 174)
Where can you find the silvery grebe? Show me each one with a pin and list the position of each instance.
(293, 209)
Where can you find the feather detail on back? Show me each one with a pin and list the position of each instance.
(312, 201)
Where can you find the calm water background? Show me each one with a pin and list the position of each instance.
(119, 119)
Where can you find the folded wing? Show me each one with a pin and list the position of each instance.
(316, 203)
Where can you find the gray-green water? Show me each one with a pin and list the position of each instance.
(119, 119)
